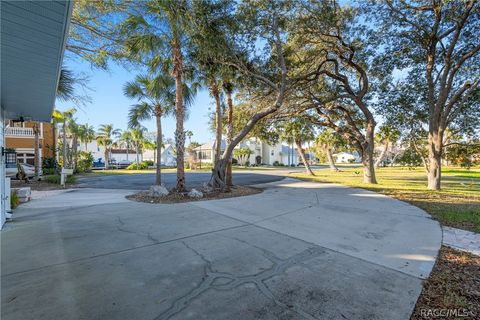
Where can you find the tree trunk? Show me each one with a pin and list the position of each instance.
(86, 146)
(382, 154)
(54, 133)
(128, 147)
(136, 154)
(434, 160)
(74, 152)
(64, 146)
(107, 159)
(180, 114)
(229, 178)
(158, 173)
(36, 150)
(367, 155)
(301, 152)
(331, 161)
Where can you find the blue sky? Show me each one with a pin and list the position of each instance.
(109, 105)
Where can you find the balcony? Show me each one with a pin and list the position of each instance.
(19, 132)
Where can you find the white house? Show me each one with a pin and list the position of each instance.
(168, 157)
(279, 153)
(346, 157)
(32, 45)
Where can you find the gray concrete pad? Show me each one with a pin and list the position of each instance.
(273, 259)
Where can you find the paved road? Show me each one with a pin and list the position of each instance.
(298, 250)
(143, 181)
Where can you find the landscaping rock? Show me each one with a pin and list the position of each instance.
(158, 191)
(24, 194)
(194, 193)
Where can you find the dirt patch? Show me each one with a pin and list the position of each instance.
(235, 191)
(453, 289)
(39, 185)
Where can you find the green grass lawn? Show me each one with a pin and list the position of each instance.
(456, 205)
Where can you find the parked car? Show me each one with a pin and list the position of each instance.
(124, 163)
(12, 172)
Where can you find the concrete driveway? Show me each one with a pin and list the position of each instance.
(299, 250)
(142, 181)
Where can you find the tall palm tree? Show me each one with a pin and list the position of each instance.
(86, 134)
(105, 137)
(73, 133)
(63, 118)
(156, 96)
(167, 44)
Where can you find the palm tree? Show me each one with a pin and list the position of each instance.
(105, 137)
(298, 131)
(73, 133)
(167, 46)
(328, 140)
(126, 137)
(385, 135)
(138, 140)
(63, 118)
(156, 96)
(86, 134)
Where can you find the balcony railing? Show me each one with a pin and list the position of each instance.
(19, 132)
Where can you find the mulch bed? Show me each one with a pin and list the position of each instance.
(453, 289)
(39, 185)
(173, 197)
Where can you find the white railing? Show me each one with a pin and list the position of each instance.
(19, 132)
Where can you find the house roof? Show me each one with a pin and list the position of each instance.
(32, 45)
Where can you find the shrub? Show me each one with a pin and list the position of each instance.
(276, 163)
(48, 163)
(55, 178)
(148, 163)
(14, 201)
(47, 171)
(258, 160)
(85, 161)
(138, 166)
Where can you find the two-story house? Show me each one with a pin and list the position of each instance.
(20, 136)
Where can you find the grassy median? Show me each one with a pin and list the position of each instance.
(456, 205)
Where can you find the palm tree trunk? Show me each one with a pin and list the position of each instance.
(127, 149)
(382, 154)
(54, 133)
(64, 139)
(331, 161)
(301, 152)
(158, 173)
(179, 131)
(74, 152)
(107, 159)
(229, 178)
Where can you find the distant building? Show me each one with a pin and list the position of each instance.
(346, 157)
(168, 157)
(279, 153)
(20, 137)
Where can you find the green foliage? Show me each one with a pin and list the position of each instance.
(14, 200)
(139, 166)
(85, 161)
(464, 155)
(55, 178)
(148, 162)
(410, 158)
(242, 155)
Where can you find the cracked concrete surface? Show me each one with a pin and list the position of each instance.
(297, 251)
